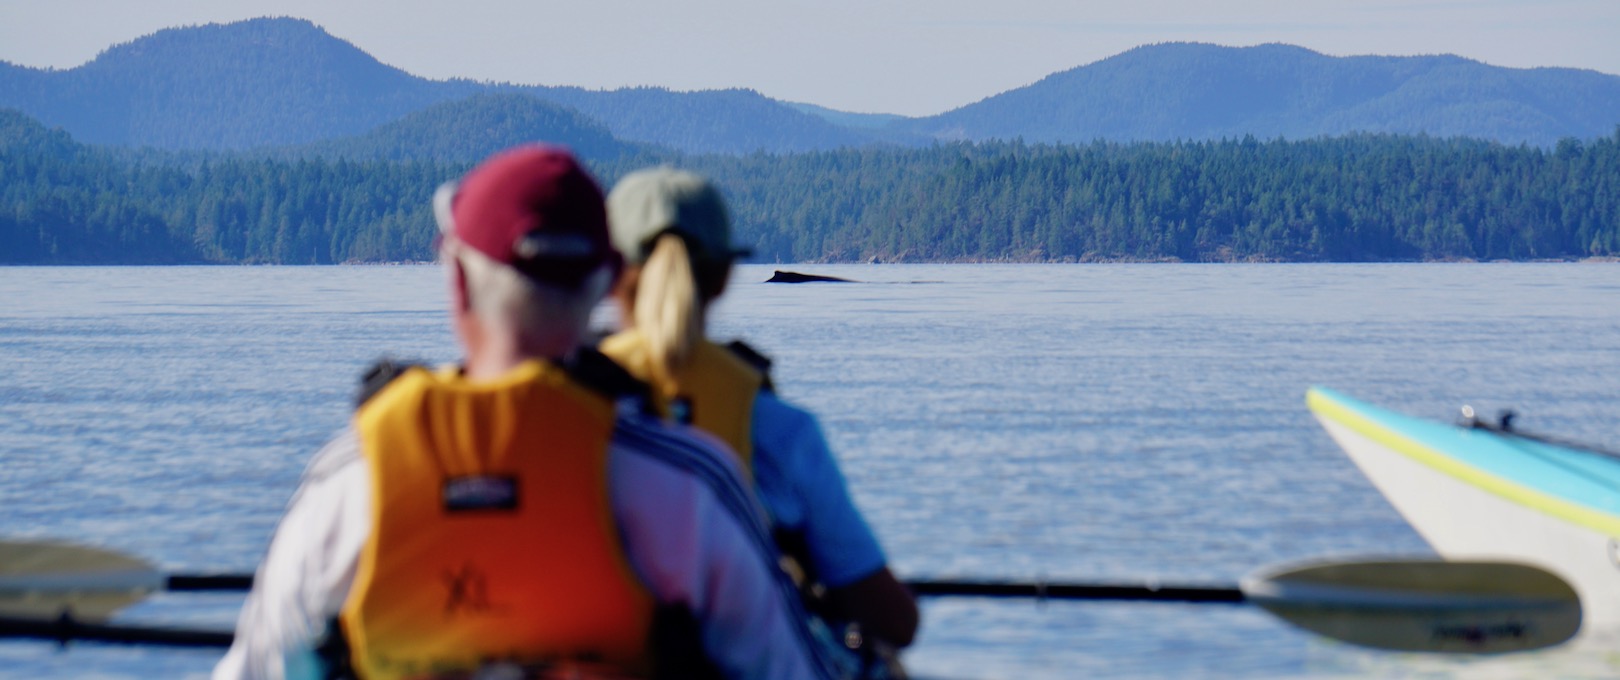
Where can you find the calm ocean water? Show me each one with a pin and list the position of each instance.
(1079, 422)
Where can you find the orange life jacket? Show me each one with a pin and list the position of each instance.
(493, 534)
(714, 391)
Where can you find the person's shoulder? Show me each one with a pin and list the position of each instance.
(775, 417)
(339, 452)
(774, 404)
(686, 450)
(646, 435)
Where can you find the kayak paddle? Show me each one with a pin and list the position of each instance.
(1415, 605)
(50, 590)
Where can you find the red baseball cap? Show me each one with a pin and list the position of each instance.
(532, 208)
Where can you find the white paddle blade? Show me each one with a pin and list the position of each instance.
(41, 579)
(1423, 605)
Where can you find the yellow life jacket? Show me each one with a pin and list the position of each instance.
(493, 534)
(714, 391)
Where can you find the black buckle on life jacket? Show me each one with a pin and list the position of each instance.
(597, 372)
(378, 375)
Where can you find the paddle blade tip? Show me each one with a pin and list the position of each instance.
(1423, 605)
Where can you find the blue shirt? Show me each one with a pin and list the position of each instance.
(801, 487)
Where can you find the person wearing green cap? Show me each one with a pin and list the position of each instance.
(674, 232)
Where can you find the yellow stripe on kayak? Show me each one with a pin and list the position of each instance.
(1328, 407)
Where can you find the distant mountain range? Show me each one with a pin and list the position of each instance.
(286, 84)
(1194, 91)
(468, 129)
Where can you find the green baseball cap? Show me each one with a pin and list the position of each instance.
(648, 203)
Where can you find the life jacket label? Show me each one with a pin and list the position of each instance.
(480, 493)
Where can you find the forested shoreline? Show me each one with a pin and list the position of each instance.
(1353, 199)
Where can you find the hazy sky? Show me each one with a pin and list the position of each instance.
(914, 57)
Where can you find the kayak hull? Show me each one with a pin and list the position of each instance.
(1473, 494)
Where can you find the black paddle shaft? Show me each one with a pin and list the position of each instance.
(204, 582)
(1078, 591)
(65, 629)
(1037, 591)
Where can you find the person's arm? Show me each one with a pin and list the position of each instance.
(694, 537)
(800, 482)
(307, 571)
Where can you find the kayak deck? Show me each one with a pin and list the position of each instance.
(1472, 493)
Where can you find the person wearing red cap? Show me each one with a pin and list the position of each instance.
(523, 514)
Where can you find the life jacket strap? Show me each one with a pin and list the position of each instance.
(755, 359)
(378, 375)
(586, 365)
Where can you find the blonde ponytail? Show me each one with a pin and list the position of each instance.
(667, 309)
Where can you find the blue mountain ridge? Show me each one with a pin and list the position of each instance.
(285, 82)
(1198, 91)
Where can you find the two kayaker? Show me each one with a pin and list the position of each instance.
(522, 512)
(673, 229)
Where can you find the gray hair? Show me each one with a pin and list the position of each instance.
(503, 298)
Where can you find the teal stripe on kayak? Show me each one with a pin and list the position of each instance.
(1579, 477)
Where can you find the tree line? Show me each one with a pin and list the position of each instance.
(1353, 198)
